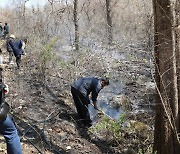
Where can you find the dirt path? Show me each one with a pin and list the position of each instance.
(45, 116)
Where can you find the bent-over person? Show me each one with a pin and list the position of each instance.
(81, 89)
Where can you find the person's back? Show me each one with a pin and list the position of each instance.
(6, 30)
(9, 44)
(1, 29)
(1, 56)
(87, 85)
(80, 91)
(18, 48)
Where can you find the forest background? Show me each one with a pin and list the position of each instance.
(69, 39)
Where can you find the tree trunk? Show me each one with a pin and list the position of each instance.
(24, 11)
(76, 26)
(109, 22)
(165, 139)
(177, 45)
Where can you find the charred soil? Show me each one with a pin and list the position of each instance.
(45, 115)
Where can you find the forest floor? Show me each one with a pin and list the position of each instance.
(46, 117)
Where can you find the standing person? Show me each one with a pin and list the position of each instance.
(10, 44)
(1, 29)
(1, 56)
(6, 30)
(7, 127)
(18, 50)
(81, 90)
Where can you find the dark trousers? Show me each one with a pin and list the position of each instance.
(5, 34)
(81, 103)
(18, 61)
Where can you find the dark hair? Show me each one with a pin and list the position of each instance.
(106, 80)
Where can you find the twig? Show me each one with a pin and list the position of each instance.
(26, 137)
(49, 117)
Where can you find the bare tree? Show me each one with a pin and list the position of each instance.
(24, 10)
(76, 26)
(166, 139)
(109, 21)
(177, 47)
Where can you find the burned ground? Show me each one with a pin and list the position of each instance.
(45, 115)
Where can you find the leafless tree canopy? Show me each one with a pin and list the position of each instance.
(127, 21)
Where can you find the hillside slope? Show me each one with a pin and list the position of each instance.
(45, 117)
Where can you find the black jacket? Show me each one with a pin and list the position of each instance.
(9, 44)
(1, 29)
(6, 29)
(88, 85)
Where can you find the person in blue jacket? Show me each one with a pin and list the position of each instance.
(18, 50)
(81, 89)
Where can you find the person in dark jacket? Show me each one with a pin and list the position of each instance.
(81, 89)
(1, 29)
(18, 50)
(9, 45)
(6, 30)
